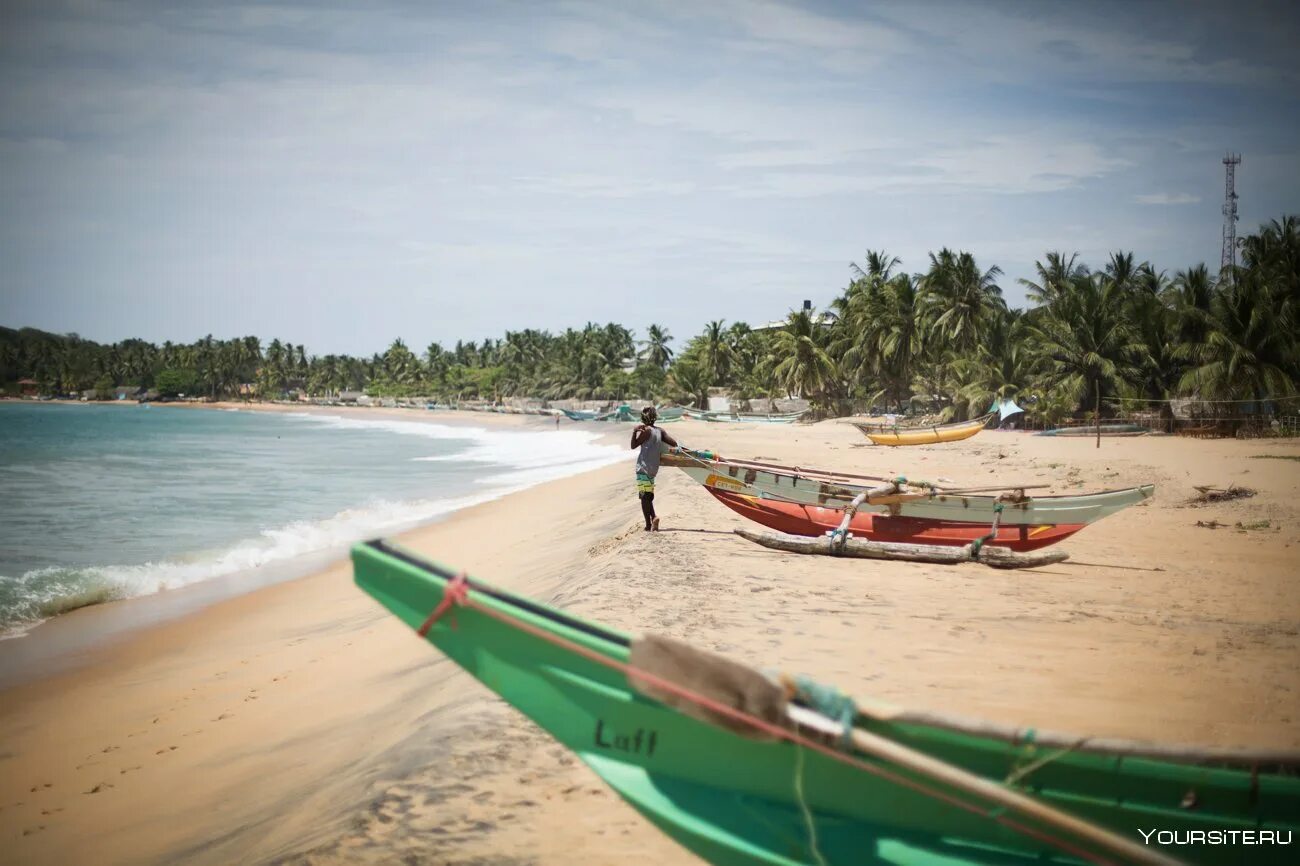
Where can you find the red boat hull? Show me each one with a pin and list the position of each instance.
(811, 520)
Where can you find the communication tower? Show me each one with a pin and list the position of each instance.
(1229, 258)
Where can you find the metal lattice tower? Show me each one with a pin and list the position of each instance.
(1229, 258)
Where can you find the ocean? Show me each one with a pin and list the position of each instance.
(100, 503)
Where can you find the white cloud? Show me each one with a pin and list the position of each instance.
(601, 186)
(1167, 198)
(727, 157)
(1019, 164)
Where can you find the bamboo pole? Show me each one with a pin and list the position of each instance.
(841, 533)
(953, 776)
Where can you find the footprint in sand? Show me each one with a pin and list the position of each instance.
(166, 750)
(125, 770)
(223, 716)
(100, 787)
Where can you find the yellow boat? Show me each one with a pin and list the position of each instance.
(882, 435)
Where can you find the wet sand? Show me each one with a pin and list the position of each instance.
(302, 724)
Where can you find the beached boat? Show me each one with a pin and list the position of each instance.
(804, 501)
(624, 413)
(896, 436)
(744, 417)
(745, 770)
(579, 415)
(753, 418)
(809, 520)
(1106, 430)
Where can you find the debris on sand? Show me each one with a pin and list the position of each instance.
(1221, 494)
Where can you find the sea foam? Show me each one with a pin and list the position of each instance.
(528, 458)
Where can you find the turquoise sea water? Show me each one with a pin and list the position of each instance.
(107, 502)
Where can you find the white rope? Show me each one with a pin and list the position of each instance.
(803, 806)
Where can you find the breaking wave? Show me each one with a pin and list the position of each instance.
(527, 458)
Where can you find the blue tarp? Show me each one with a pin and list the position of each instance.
(1004, 408)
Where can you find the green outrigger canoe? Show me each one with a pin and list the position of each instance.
(890, 787)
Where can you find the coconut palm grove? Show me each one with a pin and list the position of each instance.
(941, 339)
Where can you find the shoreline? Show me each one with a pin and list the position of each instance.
(54, 645)
(300, 724)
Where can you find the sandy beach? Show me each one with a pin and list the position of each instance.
(300, 723)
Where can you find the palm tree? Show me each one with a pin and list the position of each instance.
(1154, 324)
(1122, 272)
(1054, 277)
(717, 354)
(688, 379)
(271, 375)
(1087, 346)
(1000, 367)
(399, 365)
(803, 366)
(880, 266)
(960, 298)
(655, 349)
(1250, 347)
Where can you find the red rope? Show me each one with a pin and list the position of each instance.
(457, 592)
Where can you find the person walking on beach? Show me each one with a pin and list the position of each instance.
(647, 437)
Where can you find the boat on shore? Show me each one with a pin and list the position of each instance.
(804, 501)
(892, 435)
(794, 518)
(744, 769)
(1105, 430)
(624, 413)
(744, 417)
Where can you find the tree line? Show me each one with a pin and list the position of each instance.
(941, 339)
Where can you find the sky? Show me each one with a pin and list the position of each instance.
(340, 174)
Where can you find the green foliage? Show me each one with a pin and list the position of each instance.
(939, 341)
(174, 382)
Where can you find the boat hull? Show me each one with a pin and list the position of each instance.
(734, 418)
(739, 801)
(1106, 430)
(904, 436)
(831, 493)
(811, 520)
(753, 419)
